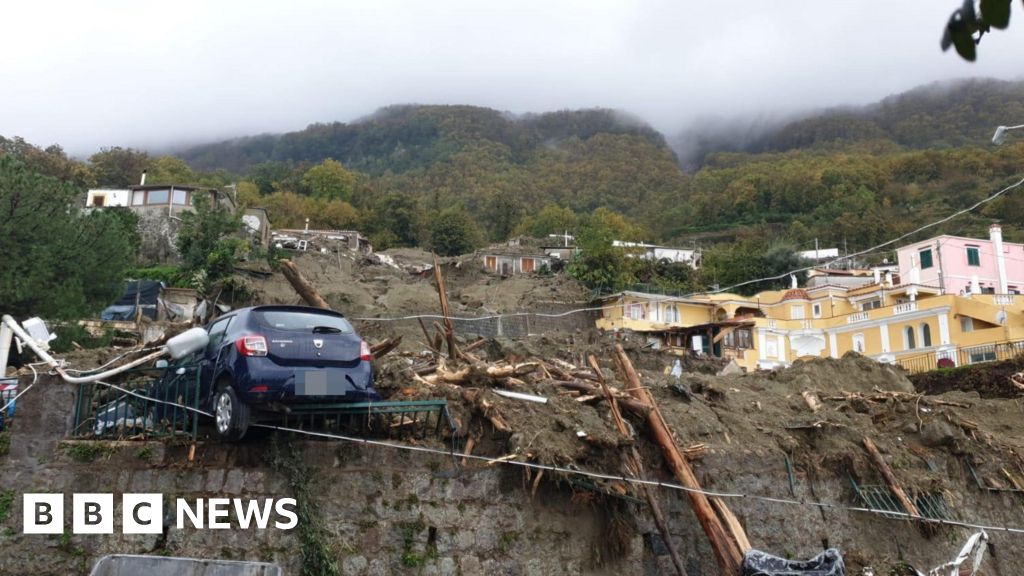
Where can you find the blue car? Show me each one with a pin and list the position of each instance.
(262, 358)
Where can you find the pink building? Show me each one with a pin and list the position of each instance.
(963, 265)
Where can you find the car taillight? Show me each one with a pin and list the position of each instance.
(252, 346)
(364, 352)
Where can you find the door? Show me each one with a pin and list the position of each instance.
(491, 263)
(528, 265)
(209, 359)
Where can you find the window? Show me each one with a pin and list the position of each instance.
(672, 314)
(311, 322)
(138, 197)
(217, 335)
(99, 200)
(181, 197)
(973, 257)
(926, 335)
(1012, 290)
(158, 197)
(816, 310)
(988, 290)
(871, 304)
(858, 343)
(908, 337)
(797, 312)
(966, 324)
(635, 311)
(739, 338)
(926, 258)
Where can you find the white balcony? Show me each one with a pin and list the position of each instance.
(856, 317)
(904, 308)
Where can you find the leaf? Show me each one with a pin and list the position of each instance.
(996, 13)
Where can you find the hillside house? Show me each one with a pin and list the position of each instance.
(512, 264)
(691, 258)
(958, 265)
(915, 323)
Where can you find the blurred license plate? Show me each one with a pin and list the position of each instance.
(317, 383)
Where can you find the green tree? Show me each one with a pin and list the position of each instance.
(119, 167)
(552, 219)
(58, 263)
(207, 242)
(170, 170)
(454, 232)
(329, 180)
(599, 264)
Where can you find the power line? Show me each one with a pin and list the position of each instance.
(596, 475)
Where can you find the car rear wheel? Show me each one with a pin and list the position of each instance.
(230, 414)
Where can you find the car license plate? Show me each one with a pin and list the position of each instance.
(317, 383)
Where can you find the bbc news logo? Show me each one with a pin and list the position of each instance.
(94, 513)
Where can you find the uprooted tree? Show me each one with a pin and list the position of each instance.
(58, 262)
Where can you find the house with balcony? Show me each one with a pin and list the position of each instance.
(959, 265)
(914, 324)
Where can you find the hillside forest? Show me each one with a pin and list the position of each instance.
(455, 178)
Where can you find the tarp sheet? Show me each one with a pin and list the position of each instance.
(147, 292)
(757, 563)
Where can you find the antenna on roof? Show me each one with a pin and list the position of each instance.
(143, 181)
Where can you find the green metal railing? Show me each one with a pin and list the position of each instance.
(409, 418)
(151, 403)
(932, 505)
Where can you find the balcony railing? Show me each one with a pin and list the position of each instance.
(1003, 299)
(904, 308)
(856, 317)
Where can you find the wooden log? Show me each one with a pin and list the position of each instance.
(475, 344)
(426, 336)
(487, 409)
(381, 348)
(636, 467)
(628, 402)
(726, 548)
(811, 400)
(302, 286)
(731, 522)
(890, 479)
(445, 309)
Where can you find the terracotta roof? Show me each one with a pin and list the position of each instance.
(796, 294)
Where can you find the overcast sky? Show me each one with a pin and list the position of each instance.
(149, 74)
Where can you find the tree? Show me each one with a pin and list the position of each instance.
(119, 167)
(207, 242)
(600, 265)
(170, 170)
(454, 232)
(552, 219)
(59, 263)
(330, 181)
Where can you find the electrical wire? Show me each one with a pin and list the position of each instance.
(596, 475)
(883, 244)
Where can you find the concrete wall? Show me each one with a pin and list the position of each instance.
(383, 509)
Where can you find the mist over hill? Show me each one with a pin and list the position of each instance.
(941, 115)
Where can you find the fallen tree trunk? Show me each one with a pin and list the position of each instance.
(890, 479)
(302, 286)
(726, 548)
(635, 466)
(381, 348)
(449, 330)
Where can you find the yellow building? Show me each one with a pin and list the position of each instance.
(914, 325)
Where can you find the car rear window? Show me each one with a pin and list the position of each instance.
(301, 321)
